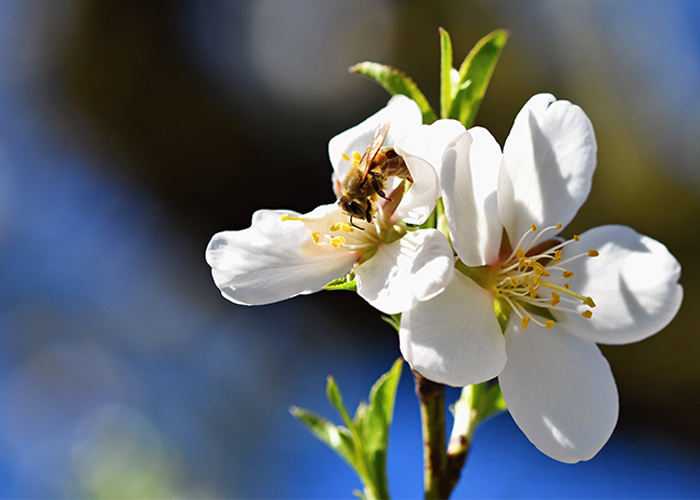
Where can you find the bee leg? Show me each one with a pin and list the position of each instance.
(368, 214)
(378, 188)
(355, 225)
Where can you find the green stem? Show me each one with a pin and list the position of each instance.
(431, 397)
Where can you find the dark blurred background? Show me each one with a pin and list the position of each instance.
(130, 132)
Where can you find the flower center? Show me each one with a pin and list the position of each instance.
(343, 235)
(533, 279)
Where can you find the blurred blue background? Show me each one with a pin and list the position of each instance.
(130, 132)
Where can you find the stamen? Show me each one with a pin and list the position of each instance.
(557, 256)
(568, 274)
(344, 157)
(593, 253)
(316, 236)
(576, 238)
(589, 302)
(587, 314)
(556, 298)
(335, 226)
(549, 324)
(524, 322)
(337, 241)
(567, 285)
(289, 217)
(356, 156)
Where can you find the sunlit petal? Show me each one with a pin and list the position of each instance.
(633, 281)
(549, 160)
(454, 338)
(273, 260)
(469, 181)
(560, 391)
(416, 267)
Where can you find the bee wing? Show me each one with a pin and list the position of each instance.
(374, 147)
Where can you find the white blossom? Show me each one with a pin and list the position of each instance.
(557, 297)
(285, 253)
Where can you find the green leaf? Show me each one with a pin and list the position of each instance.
(445, 70)
(474, 76)
(336, 400)
(394, 320)
(338, 439)
(396, 82)
(345, 283)
(375, 428)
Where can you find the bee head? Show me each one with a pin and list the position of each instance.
(355, 208)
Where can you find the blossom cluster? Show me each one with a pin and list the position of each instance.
(498, 293)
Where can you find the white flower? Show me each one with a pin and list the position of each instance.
(284, 253)
(611, 285)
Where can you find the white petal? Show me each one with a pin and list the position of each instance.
(403, 114)
(634, 283)
(422, 151)
(549, 160)
(429, 142)
(560, 391)
(273, 260)
(469, 181)
(454, 338)
(416, 267)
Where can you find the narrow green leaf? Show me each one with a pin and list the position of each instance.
(336, 400)
(474, 76)
(337, 438)
(396, 82)
(380, 411)
(394, 320)
(445, 77)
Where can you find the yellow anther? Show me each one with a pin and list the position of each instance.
(356, 156)
(533, 292)
(567, 285)
(568, 274)
(587, 314)
(556, 298)
(524, 322)
(536, 279)
(533, 228)
(346, 228)
(335, 226)
(593, 253)
(316, 236)
(559, 226)
(289, 217)
(549, 324)
(522, 261)
(344, 157)
(557, 256)
(519, 252)
(538, 268)
(337, 241)
(589, 302)
(576, 238)
(513, 282)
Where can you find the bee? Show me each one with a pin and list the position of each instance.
(366, 181)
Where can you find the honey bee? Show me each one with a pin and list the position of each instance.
(367, 179)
